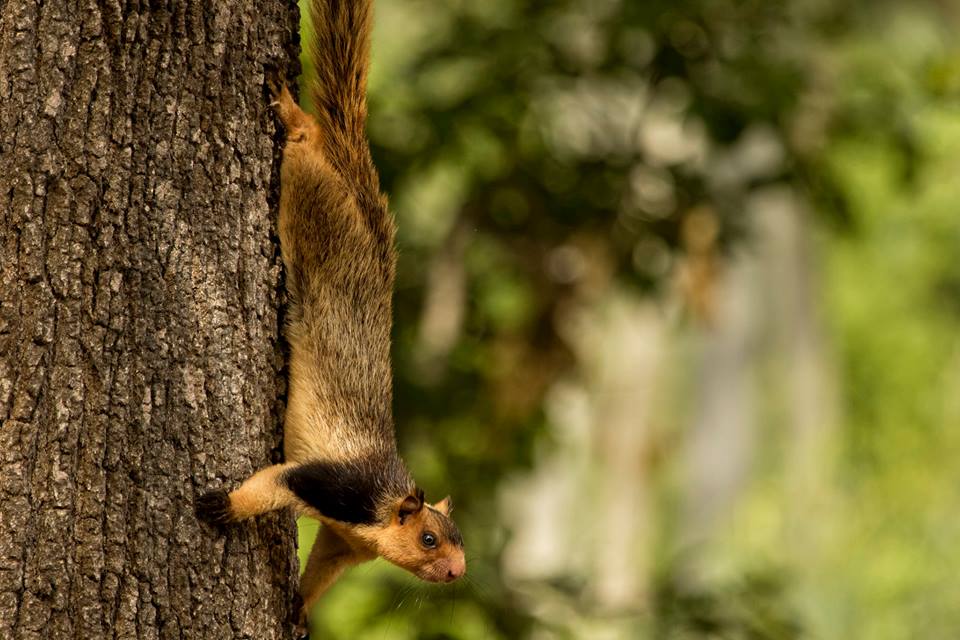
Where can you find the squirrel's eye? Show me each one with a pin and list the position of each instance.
(429, 540)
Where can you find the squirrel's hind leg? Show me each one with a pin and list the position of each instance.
(330, 556)
(296, 121)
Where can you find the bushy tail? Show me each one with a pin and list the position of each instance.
(340, 50)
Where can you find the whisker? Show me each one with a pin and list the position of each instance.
(477, 585)
(486, 599)
(404, 592)
(400, 597)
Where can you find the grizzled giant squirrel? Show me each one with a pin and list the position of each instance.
(337, 240)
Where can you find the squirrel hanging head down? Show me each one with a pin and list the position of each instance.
(337, 240)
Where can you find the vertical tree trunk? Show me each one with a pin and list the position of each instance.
(791, 269)
(139, 353)
(719, 448)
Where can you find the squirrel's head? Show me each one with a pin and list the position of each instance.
(422, 539)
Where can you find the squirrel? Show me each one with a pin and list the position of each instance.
(337, 243)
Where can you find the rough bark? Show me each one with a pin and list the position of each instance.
(139, 351)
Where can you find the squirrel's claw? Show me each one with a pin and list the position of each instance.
(275, 82)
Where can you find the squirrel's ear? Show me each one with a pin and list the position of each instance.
(410, 505)
(445, 506)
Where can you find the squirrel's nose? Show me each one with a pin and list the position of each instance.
(455, 570)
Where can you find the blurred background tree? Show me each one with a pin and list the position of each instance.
(677, 316)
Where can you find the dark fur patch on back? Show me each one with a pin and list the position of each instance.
(345, 491)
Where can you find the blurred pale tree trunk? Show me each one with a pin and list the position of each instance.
(587, 511)
(761, 352)
(719, 445)
(139, 357)
(787, 249)
(621, 350)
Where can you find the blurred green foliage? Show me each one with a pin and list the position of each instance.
(536, 152)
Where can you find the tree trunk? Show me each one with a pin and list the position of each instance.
(139, 351)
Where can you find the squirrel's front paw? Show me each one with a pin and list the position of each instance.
(214, 507)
